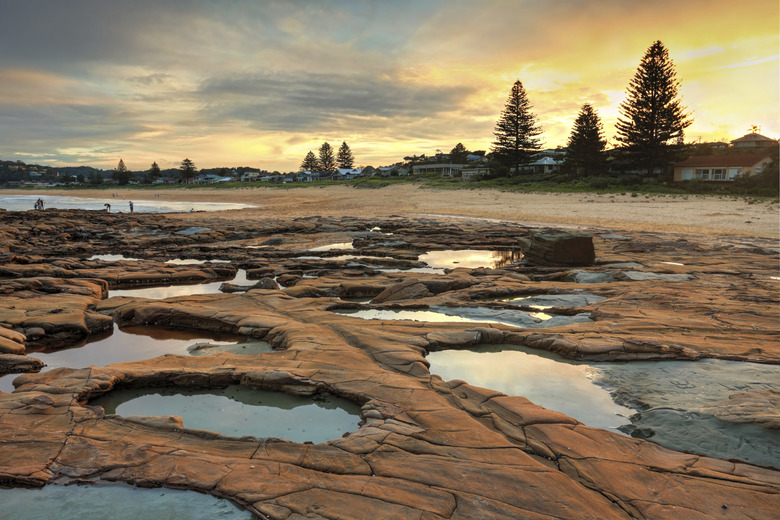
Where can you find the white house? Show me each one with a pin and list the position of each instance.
(543, 165)
(720, 167)
(446, 169)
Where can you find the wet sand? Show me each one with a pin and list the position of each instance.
(698, 215)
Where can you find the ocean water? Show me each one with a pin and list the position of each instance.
(27, 202)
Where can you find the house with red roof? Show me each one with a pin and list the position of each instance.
(720, 167)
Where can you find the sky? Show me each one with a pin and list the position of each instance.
(261, 83)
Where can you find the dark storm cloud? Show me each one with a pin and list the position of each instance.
(68, 35)
(295, 101)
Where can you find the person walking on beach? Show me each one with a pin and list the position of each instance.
(131, 206)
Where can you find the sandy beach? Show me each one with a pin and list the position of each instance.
(697, 215)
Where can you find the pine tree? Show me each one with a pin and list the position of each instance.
(327, 160)
(516, 131)
(344, 157)
(652, 116)
(586, 143)
(187, 169)
(121, 174)
(153, 174)
(310, 163)
(154, 171)
(458, 154)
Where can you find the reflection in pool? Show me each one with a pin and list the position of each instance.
(557, 300)
(188, 289)
(128, 344)
(662, 401)
(440, 314)
(541, 377)
(471, 258)
(116, 502)
(193, 261)
(114, 258)
(330, 247)
(238, 410)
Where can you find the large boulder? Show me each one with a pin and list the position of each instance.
(558, 247)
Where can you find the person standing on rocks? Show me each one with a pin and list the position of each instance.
(131, 206)
(108, 207)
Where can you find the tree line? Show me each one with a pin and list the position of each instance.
(326, 161)
(651, 118)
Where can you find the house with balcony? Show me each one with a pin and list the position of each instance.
(753, 141)
(720, 167)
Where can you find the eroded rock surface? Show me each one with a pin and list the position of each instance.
(426, 448)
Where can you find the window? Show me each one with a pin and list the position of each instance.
(718, 174)
(702, 173)
(686, 174)
(734, 173)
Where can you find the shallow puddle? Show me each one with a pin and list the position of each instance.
(556, 300)
(671, 397)
(134, 344)
(187, 289)
(431, 270)
(340, 258)
(193, 231)
(115, 502)
(238, 410)
(662, 401)
(330, 247)
(470, 258)
(414, 315)
(438, 314)
(543, 378)
(193, 261)
(114, 258)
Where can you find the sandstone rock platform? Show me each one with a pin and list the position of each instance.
(425, 448)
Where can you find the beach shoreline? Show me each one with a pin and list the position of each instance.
(684, 214)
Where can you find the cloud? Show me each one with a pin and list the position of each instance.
(298, 101)
(242, 80)
(155, 79)
(751, 62)
(699, 53)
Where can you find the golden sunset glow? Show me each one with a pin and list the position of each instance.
(262, 83)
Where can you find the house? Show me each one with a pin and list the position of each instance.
(446, 169)
(475, 172)
(753, 140)
(211, 178)
(250, 176)
(720, 167)
(543, 165)
(308, 176)
(347, 173)
(387, 171)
